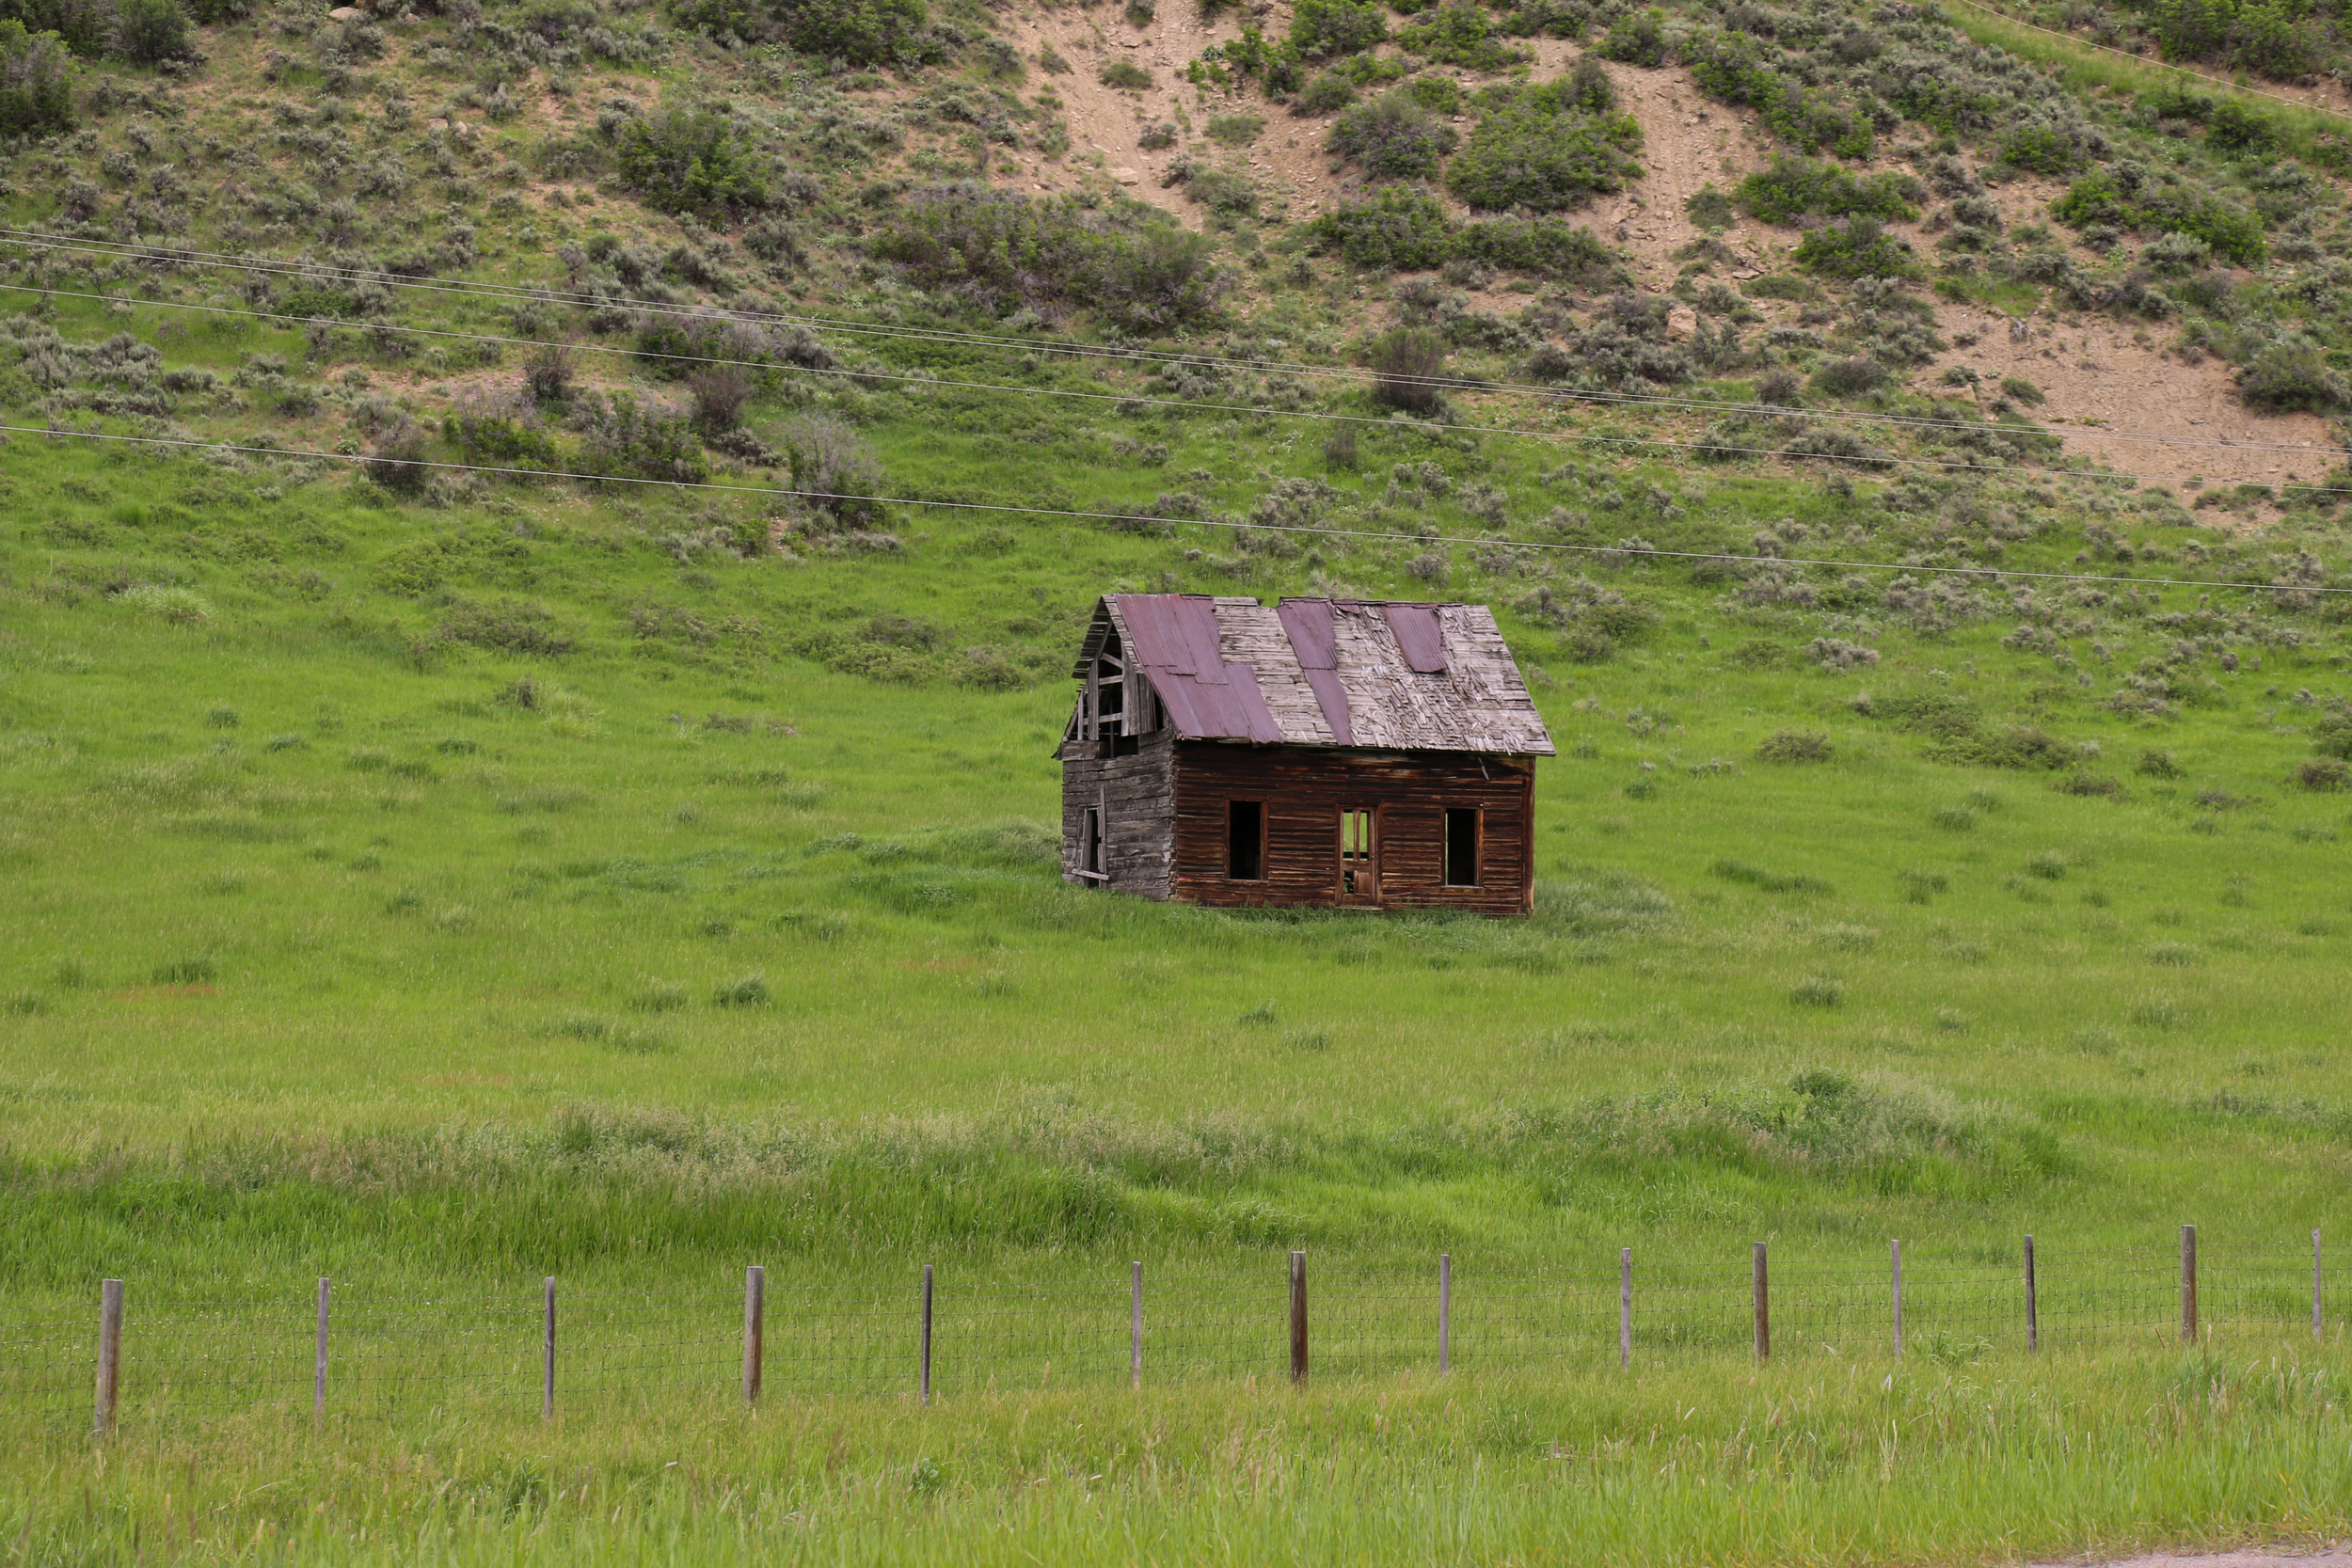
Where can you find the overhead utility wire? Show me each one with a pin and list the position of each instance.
(1644, 551)
(36, 239)
(926, 380)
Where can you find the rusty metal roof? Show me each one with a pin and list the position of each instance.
(1372, 674)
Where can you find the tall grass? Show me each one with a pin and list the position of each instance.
(1718, 1463)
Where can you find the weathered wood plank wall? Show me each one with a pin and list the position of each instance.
(1305, 788)
(1136, 794)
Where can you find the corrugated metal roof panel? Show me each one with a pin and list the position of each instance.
(1307, 624)
(1419, 636)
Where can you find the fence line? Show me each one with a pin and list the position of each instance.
(942, 1335)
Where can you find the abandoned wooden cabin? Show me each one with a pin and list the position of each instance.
(1320, 752)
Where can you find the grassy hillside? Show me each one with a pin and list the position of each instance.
(559, 782)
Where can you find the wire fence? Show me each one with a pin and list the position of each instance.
(128, 1358)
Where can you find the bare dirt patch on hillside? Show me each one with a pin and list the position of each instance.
(2115, 393)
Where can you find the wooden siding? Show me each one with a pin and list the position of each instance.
(1136, 794)
(1303, 789)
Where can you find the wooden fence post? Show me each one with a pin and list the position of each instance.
(754, 1330)
(2188, 1284)
(1445, 1312)
(1762, 1289)
(2318, 1329)
(2033, 1307)
(927, 1333)
(1625, 1307)
(1298, 1318)
(1898, 1252)
(109, 1352)
(1135, 1328)
(547, 1354)
(318, 1372)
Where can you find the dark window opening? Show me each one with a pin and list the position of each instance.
(1461, 848)
(1091, 842)
(1245, 841)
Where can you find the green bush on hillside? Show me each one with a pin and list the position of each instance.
(1002, 250)
(2041, 148)
(36, 84)
(1546, 246)
(1856, 247)
(85, 26)
(2284, 40)
(1637, 39)
(148, 32)
(625, 440)
(2285, 377)
(1733, 68)
(2101, 198)
(857, 32)
(1392, 139)
(1332, 29)
(1797, 187)
(1404, 229)
(1543, 150)
(1396, 227)
(689, 160)
(1463, 34)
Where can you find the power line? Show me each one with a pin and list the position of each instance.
(34, 239)
(1707, 448)
(1643, 551)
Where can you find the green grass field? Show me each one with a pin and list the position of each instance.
(439, 900)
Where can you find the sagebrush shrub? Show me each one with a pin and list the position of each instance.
(1795, 746)
(1327, 94)
(1546, 149)
(627, 439)
(1392, 137)
(720, 393)
(1002, 250)
(835, 470)
(2285, 377)
(2325, 774)
(1407, 361)
(548, 371)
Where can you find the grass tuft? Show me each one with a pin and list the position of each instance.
(750, 991)
(1816, 991)
(652, 995)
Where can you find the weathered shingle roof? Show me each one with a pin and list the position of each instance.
(1418, 678)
